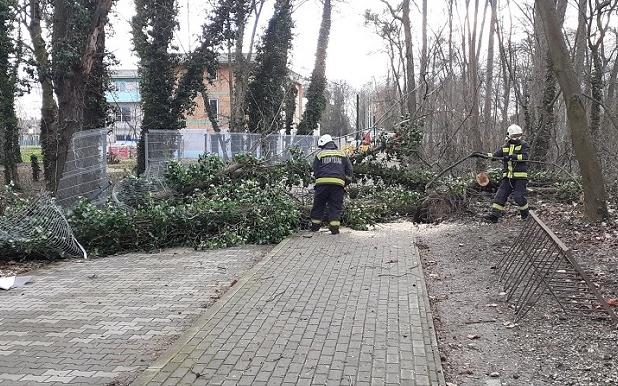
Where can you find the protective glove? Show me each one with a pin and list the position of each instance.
(513, 157)
(478, 154)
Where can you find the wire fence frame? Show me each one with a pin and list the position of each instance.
(537, 263)
(85, 169)
(162, 146)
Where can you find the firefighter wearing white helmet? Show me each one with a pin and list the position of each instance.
(514, 154)
(333, 172)
(323, 140)
(514, 132)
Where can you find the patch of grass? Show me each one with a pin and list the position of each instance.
(27, 151)
(116, 172)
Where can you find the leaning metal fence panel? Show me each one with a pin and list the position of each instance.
(85, 169)
(539, 263)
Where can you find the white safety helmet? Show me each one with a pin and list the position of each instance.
(515, 132)
(326, 138)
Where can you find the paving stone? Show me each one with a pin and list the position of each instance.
(90, 322)
(323, 309)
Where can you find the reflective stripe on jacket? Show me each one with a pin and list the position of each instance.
(332, 166)
(513, 168)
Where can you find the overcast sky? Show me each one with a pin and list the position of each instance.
(353, 54)
(353, 49)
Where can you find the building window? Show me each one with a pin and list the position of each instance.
(123, 114)
(213, 105)
(127, 86)
(213, 77)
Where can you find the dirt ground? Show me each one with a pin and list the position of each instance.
(481, 341)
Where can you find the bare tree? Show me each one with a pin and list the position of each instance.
(473, 87)
(410, 81)
(424, 59)
(390, 31)
(488, 111)
(595, 205)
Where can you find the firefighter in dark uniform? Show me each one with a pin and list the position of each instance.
(514, 154)
(333, 172)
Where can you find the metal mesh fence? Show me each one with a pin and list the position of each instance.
(85, 169)
(539, 263)
(41, 228)
(163, 146)
(227, 145)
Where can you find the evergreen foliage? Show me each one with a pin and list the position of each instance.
(290, 106)
(243, 202)
(225, 21)
(169, 82)
(153, 30)
(9, 132)
(316, 92)
(218, 205)
(266, 93)
(316, 104)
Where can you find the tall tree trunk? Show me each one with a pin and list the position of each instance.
(547, 121)
(153, 29)
(96, 108)
(595, 205)
(423, 68)
(9, 132)
(242, 67)
(488, 111)
(597, 47)
(472, 88)
(71, 77)
(410, 80)
(238, 84)
(612, 101)
(580, 36)
(49, 108)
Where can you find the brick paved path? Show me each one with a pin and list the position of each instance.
(103, 321)
(349, 309)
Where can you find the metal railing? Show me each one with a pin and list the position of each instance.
(539, 263)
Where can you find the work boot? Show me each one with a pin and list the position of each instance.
(524, 214)
(334, 230)
(492, 218)
(315, 227)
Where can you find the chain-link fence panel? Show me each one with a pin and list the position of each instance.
(161, 146)
(85, 169)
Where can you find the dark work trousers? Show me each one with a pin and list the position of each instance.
(331, 195)
(509, 185)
